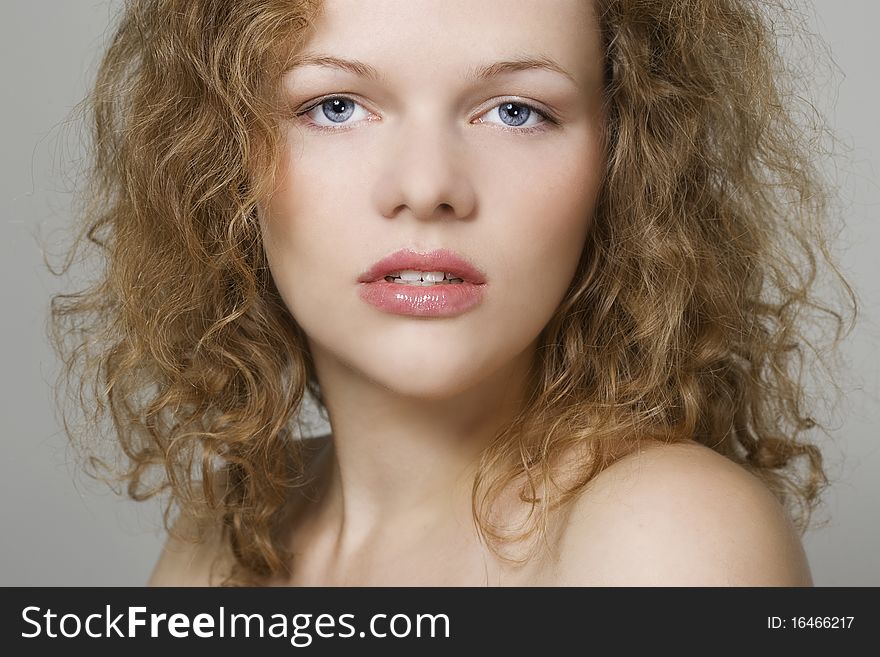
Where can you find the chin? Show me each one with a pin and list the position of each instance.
(431, 391)
(433, 376)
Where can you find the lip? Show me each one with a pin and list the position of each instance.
(423, 301)
(437, 260)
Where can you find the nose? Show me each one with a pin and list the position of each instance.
(424, 172)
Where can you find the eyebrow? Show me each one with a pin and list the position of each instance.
(475, 74)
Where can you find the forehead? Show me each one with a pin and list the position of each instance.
(415, 38)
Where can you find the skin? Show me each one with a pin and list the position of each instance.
(673, 515)
(425, 162)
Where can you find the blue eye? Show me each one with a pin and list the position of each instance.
(514, 114)
(337, 110)
(519, 113)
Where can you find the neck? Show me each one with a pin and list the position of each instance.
(399, 465)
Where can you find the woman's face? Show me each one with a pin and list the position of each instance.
(425, 156)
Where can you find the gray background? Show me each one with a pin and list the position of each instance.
(63, 529)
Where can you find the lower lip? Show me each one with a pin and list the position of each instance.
(422, 301)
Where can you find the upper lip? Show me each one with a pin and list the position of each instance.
(438, 260)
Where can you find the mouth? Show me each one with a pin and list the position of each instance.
(436, 284)
(438, 267)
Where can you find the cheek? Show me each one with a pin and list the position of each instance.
(546, 225)
(306, 246)
(315, 209)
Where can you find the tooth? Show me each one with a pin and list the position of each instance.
(455, 281)
(414, 277)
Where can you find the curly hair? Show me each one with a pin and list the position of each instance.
(689, 316)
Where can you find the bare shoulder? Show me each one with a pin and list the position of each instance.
(194, 555)
(195, 552)
(679, 515)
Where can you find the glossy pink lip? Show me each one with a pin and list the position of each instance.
(446, 300)
(438, 260)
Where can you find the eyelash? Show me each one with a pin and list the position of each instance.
(549, 120)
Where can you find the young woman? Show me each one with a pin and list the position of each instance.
(540, 263)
